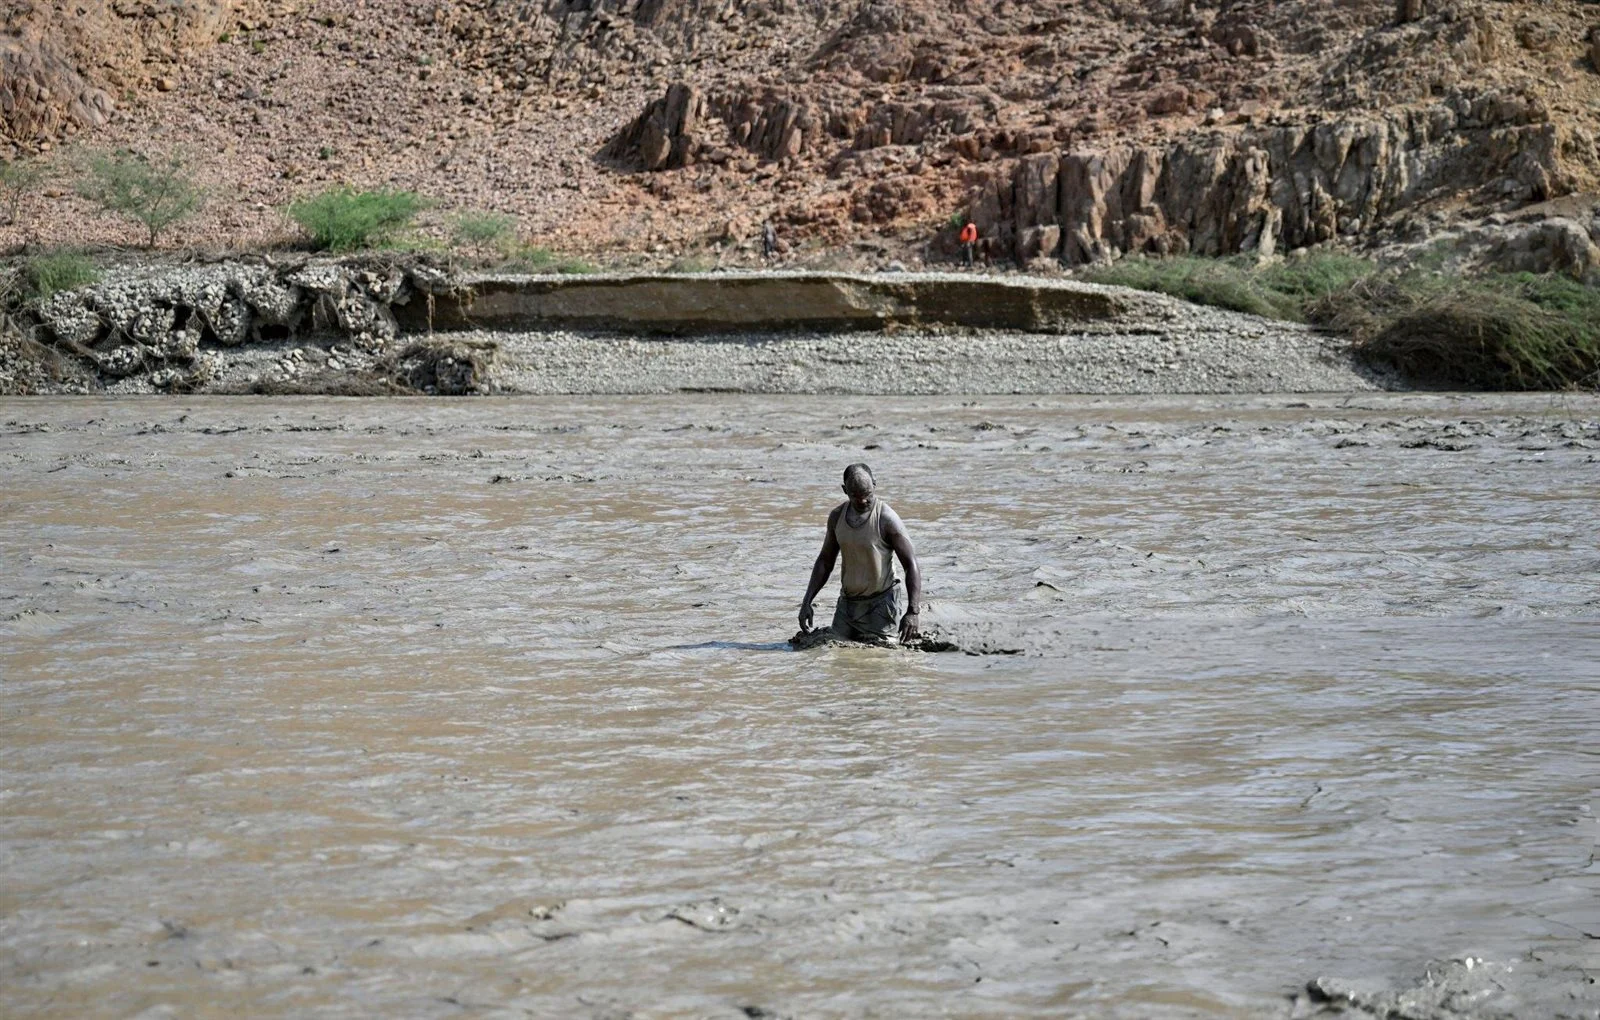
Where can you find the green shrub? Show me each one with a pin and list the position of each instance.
(345, 220)
(44, 275)
(485, 230)
(1497, 331)
(155, 193)
(1500, 331)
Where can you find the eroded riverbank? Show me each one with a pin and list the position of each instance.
(357, 707)
(373, 328)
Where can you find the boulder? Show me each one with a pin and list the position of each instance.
(1553, 245)
(666, 136)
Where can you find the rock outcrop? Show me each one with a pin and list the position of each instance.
(667, 135)
(1273, 188)
(688, 125)
(59, 62)
(42, 95)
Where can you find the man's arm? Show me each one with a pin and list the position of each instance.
(820, 570)
(894, 534)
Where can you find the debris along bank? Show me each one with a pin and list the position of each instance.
(372, 327)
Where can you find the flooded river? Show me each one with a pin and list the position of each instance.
(435, 709)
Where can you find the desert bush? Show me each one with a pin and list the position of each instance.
(17, 179)
(44, 275)
(1496, 331)
(346, 220)
(155, 193)
(496, 232)
(1500, 331)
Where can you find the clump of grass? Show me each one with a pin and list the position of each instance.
(155, 193)
(485, 231)
(343, 219)
(692, 264)
(1500, 331)
(533, 259)
(1496, 331)
(1282, 290)
(44, 275)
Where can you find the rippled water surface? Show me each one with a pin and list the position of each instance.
(482, 708)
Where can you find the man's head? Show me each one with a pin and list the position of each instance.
(859, 485)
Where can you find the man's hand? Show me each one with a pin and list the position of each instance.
(909, 631)
(805, 617)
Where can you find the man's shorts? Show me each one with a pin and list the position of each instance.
(871, 617)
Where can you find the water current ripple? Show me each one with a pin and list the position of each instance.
(351, 708)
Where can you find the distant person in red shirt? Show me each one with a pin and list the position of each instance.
(969, 241)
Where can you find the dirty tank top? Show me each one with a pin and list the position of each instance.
(867, 566)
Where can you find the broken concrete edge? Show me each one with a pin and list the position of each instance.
(185, 328)
(764, 302)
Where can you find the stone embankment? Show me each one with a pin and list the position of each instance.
(368, 328)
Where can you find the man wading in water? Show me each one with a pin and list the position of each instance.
(872, 604)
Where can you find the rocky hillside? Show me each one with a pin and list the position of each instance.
(1072, 129)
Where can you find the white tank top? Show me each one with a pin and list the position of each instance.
(868, 566)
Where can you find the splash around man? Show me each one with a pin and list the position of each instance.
(873, 606)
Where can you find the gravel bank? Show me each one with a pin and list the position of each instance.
(1204, 351)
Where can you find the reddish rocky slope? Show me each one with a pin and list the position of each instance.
(1069, 128)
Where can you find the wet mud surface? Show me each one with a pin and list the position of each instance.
(428, 708)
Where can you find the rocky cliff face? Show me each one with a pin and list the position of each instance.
(1071, 129)
(61, 63)
(1280, 187)
(1468, 125)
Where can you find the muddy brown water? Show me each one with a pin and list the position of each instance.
(319, 707)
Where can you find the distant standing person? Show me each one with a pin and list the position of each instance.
(769, 240)
(969, 241)
(872, 604)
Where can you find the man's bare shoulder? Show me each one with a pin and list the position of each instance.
(889, 521)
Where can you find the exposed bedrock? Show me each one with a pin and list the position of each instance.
(60, 62)
(686, 126)
(1280, 187)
